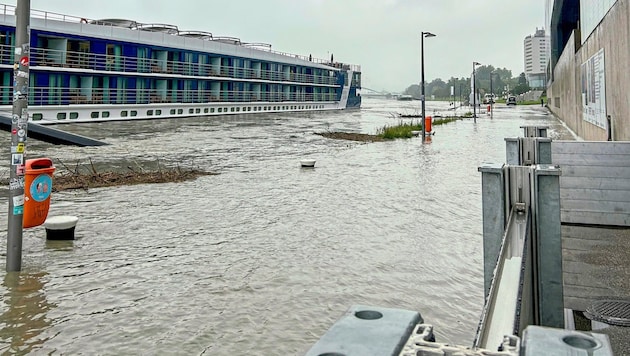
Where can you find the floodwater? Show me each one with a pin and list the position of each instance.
(264, 257)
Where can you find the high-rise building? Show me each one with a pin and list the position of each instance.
(536, 48)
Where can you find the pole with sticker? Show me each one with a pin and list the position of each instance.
(19, 130)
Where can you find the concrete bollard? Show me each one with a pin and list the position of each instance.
(60, 227)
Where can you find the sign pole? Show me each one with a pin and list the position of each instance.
(19, 129)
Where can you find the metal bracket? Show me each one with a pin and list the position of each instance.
(422, 342)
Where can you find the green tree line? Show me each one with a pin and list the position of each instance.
(502, 84)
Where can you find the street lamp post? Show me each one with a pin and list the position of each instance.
(424, 34)
(474, 91)
(491, 96)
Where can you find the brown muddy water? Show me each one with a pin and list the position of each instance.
(264, 257)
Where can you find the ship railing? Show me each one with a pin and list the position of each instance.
(39, 96)
(353, 67)
(105, 62)
(45, 15)
(9, 10)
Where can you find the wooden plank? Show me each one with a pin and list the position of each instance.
(595, 194)
(594, 218)
(567, 182)
(596, 172)
(602, 160)
(580, 147)
(601, 206)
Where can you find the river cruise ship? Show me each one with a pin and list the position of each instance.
(87, 70)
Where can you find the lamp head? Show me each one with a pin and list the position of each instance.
(428, 34)
(476, 63)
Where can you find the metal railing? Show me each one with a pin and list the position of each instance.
(9, 10)
(102, 62)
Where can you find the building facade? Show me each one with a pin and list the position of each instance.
(536, 57)
(589, 52)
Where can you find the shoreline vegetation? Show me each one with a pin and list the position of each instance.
(87, 175)
(387, 132)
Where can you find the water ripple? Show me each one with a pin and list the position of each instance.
(264, 257)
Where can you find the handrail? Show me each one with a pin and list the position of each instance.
(102, 62)
(47, 15)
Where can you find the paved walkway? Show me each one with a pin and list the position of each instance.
(596, 265)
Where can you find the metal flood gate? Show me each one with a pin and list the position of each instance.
(595, 182)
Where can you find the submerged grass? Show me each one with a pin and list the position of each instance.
(405, 129)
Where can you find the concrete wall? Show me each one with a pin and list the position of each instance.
(613, 35)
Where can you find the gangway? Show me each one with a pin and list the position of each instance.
(50, 135)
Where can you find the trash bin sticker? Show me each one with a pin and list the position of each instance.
(41, 187)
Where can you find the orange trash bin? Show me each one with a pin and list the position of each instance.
(37, 190)
(427, 124)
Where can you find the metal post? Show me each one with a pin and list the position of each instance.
(548, 247)
(474, 91)
(491, 98)
(494, 218)
(422, 86)
(424, 34)
(19, 129)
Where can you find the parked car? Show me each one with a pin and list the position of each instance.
(511, 100)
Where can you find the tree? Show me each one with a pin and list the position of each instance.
(521, 86)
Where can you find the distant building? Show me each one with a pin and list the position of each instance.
(588, 72)
(536, 58)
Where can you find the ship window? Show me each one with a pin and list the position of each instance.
(134, 113)
(105, 114)
(232, 109)
(205, 111)
(238, 109)
(61, 116)
(220, 110)
(94, 114)
(158, 112)
(255, 108)
(149, 112)
(74, 115)
(172, 111)
(191, 111)
(197, 111)
(180, 111)
(211, 110)
(259, 108)
(124, 113)
(37, 117)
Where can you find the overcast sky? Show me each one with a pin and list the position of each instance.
(383, 36)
